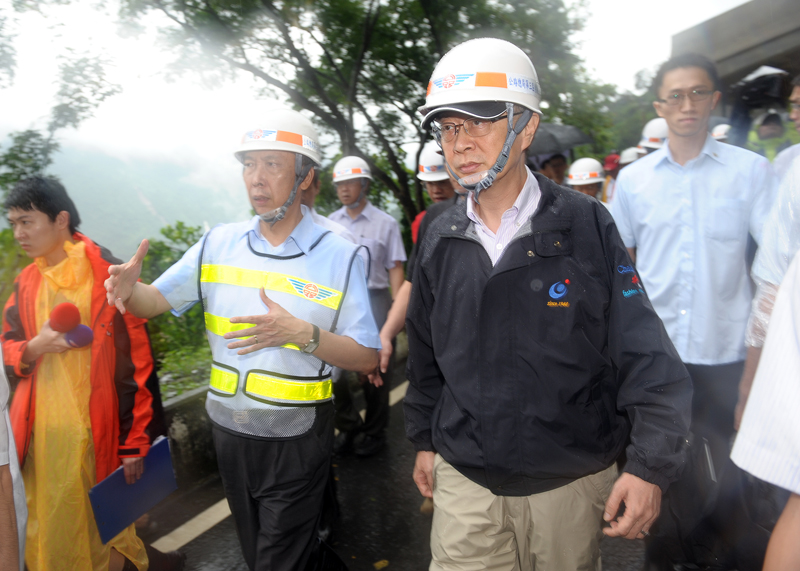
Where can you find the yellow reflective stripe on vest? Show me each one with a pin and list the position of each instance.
(284, 390)
(222, 325)
(231, 275)
(223, 380)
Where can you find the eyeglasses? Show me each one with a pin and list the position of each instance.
(794, 107)
(473, 127)
(693, 95)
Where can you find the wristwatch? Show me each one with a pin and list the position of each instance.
(312, 345)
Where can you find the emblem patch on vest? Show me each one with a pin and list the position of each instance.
(310, 290)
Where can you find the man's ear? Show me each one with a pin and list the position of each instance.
(62, 220)
(308, 180)
(657, 107)
(530, 130)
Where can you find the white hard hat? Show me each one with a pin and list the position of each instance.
(431, 163)
(720, 132)
(282, 130)
(478, 77)
(629, 155)
(585, 171)
(654, 133)
(348, 168)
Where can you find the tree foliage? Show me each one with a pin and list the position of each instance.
(361, 67)
(168, 332)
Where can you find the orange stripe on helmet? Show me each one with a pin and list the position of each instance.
(428, 92)
(287, 137)
(491, 79)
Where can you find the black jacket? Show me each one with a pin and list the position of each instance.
(530, 374)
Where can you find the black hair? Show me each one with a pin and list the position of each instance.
(46, 195)
(796, 81)
(555, 156)
(772, 119)
(686, 60)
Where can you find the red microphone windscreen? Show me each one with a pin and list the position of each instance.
(80, 336)
(65, 317)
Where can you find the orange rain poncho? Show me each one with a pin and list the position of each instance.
(60, 467)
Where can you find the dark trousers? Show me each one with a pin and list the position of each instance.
(716, 391)
(275, 490)
(377, 398)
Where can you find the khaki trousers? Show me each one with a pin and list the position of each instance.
(559, 530)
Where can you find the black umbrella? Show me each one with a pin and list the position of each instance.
(554, 138)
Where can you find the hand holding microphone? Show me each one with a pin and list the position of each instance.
(65, 318)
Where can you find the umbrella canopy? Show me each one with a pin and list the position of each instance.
(554, 138)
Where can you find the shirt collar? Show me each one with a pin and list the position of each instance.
(530, 192)
(304, 235)
(711, 148)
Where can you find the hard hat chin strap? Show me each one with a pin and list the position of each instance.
(300, 173)
(478, 182)
(357, 202)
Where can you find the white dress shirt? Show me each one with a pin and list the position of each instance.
(511, 221)
(768, 443)
(380, 233)
(689, 225)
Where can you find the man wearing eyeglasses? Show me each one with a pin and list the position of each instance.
(684, 213)
(533, 352)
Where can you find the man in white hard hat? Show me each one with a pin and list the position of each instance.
(533, 351)
(627, 156)
(690, 249)
(720, 132)
(284, 300)
(785, 158)
(380, 234)
(586, 176)
(653, 136)
(436, 180)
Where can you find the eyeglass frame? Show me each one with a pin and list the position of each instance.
(694, 96)
(437, 127)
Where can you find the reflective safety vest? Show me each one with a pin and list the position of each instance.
(268, 392)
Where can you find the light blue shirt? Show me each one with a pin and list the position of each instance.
(689, 225)
(179, 283)
(380, 233)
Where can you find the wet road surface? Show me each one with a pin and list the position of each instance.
(380, 525)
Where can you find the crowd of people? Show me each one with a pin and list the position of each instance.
(584, 341)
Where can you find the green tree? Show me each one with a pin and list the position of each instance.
(167, 331)
(361, 67)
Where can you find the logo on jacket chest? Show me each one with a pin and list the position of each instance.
(557, 292)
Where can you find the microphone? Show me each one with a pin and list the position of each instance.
(79, 336)
(65, 317)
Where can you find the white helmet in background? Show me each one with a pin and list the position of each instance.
(629, 155)
(585, 171)
(283, 130)
(348, 168)
(351, 168)
(720, 132)
(431, 164)
(484, 78)
(654, 133)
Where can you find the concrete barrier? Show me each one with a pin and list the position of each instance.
(193, 455)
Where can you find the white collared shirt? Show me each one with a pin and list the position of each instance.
(689, 225)
(768, 442)
(511, 221)
(380, 233)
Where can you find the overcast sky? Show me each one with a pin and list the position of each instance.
(197, 126)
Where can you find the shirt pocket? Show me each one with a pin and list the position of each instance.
(726, 219)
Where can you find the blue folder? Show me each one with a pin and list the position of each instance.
(117, 505)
